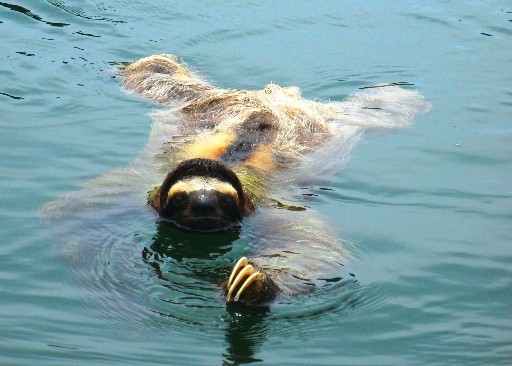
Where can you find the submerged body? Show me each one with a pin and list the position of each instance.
(254, 134)
(216, 157)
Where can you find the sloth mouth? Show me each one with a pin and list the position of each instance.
(203, 223)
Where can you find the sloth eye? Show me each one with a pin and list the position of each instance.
(228, 200)
(179, 199)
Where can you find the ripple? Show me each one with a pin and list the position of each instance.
(225, 34)
(12, 96)
(128, 287)
(140, 274)
(30, 14)
(87, 34)
(81, 12)
(294, 318)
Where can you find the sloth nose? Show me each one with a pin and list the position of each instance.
(204, 204)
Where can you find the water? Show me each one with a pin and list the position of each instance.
(424, 211)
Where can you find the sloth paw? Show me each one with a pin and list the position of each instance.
(249, 285)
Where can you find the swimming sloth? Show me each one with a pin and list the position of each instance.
(237, 150)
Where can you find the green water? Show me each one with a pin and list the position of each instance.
(425, 211)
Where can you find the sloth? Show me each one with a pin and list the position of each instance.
(236, 147)
(235, 160)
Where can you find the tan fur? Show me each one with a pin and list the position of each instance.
(262, 159)
(208, 145)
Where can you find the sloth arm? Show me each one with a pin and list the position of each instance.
(297, 250)
(164, 79)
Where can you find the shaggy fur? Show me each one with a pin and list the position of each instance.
(272, 140)
(275, 117)
(258, 134)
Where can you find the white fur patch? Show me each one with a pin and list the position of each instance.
(194, 184)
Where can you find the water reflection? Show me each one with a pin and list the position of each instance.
(171, 241)
(192, 266)
(245, 333)
(196, 252)
(203, 256)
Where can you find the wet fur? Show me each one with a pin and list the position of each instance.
(258, 134)
(286, 125)
(272, 139)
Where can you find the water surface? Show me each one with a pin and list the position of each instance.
(425, 211)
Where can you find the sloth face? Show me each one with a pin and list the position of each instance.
(202, 203)
(203, 195)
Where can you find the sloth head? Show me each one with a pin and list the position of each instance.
(201, 194)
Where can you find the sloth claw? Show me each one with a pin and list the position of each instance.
(254, 277)
(242, 262)
(247, 271)
(249, 285)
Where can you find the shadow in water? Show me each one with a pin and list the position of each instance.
(192, 266)
(245, 333)
(180, 245)
(245, 327)
(172, 241)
